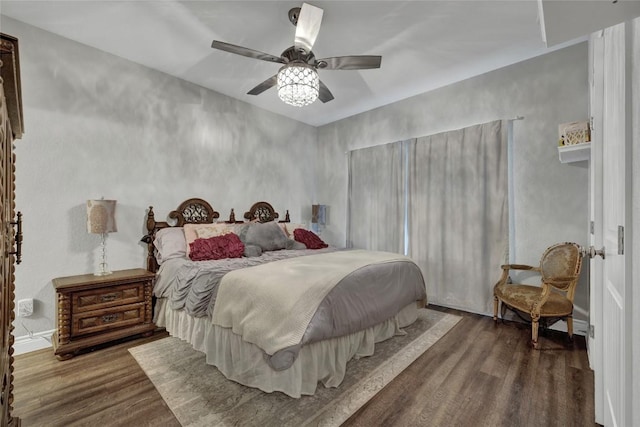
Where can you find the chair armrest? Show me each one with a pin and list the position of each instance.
(519, 267)
(505, 278)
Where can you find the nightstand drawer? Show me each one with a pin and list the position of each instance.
(107, 319)
(100, 298)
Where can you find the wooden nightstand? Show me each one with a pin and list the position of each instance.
(97, 309)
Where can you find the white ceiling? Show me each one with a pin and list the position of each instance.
(424, 44)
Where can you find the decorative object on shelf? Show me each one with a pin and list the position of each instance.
(318, 217)
(574, 133)
(101, 219)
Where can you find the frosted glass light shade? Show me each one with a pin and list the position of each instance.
(101, 216)
(298, 84)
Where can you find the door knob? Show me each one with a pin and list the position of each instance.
(593, 252)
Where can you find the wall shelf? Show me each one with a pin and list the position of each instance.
(574, 153)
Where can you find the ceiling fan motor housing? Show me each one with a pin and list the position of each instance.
(294, 14)
(294, 55)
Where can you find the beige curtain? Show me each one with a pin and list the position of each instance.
(458, 213)
(376, 205)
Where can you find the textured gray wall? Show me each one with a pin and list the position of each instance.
(550, 198)
(98, 125)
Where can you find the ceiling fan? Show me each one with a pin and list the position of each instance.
(297, 81)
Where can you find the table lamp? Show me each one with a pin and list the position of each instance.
(101, 220)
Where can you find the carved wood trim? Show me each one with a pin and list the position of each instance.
(10, 75)
(194, 211)
(10, 106)
(64, 319)
(261, 211)
(232, 218)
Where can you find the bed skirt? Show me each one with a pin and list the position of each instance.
(243, 362)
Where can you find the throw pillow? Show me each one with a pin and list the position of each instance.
(170, 243)
(309, 238)
(218, 247)
(252, 251)
(268, 235)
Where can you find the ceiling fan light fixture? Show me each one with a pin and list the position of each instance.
(298, 84)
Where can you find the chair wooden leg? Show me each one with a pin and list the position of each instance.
(570, 327)
(495, 308)
(534, 333)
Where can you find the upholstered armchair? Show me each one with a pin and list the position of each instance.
(551, 301)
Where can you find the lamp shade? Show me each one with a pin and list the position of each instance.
(319, 214)
(101, 216)
(298, 84)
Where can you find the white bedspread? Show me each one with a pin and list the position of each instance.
(271, 305)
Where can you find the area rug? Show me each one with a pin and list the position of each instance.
(199, 395)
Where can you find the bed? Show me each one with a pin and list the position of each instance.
(267, 310)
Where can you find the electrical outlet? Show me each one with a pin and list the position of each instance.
(25, 307)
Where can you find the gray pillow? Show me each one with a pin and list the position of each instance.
(293, 244)
(252, 251)
(269, 236)
(241, 231)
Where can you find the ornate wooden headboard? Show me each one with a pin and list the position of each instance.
(199, 211)
(191, 211)
(263, 212)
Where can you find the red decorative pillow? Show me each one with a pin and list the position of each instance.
(309, 238)
(218, 247)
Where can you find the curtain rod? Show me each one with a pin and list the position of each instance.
(513, 119)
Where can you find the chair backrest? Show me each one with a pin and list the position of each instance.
(563, 260)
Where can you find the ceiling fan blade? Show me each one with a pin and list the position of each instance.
(267, 84)
(324, 94)
(250, 53)
(361, 62)
(307, 27)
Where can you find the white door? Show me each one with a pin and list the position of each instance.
(609, 188)
(596, 101)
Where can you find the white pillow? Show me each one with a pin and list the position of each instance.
(170, 243)
(292, 226)
(214, 230)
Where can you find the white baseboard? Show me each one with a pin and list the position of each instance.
(29, 343)
(40, 340)
(580, 327)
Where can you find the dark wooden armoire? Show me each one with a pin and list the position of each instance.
(11, 127)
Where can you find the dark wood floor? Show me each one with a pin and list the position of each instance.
(479, 374)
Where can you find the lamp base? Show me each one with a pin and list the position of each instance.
(102, 273)
(104, 270)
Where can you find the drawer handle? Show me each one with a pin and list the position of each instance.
(108, 318)
(108, 297)
(17, 239)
